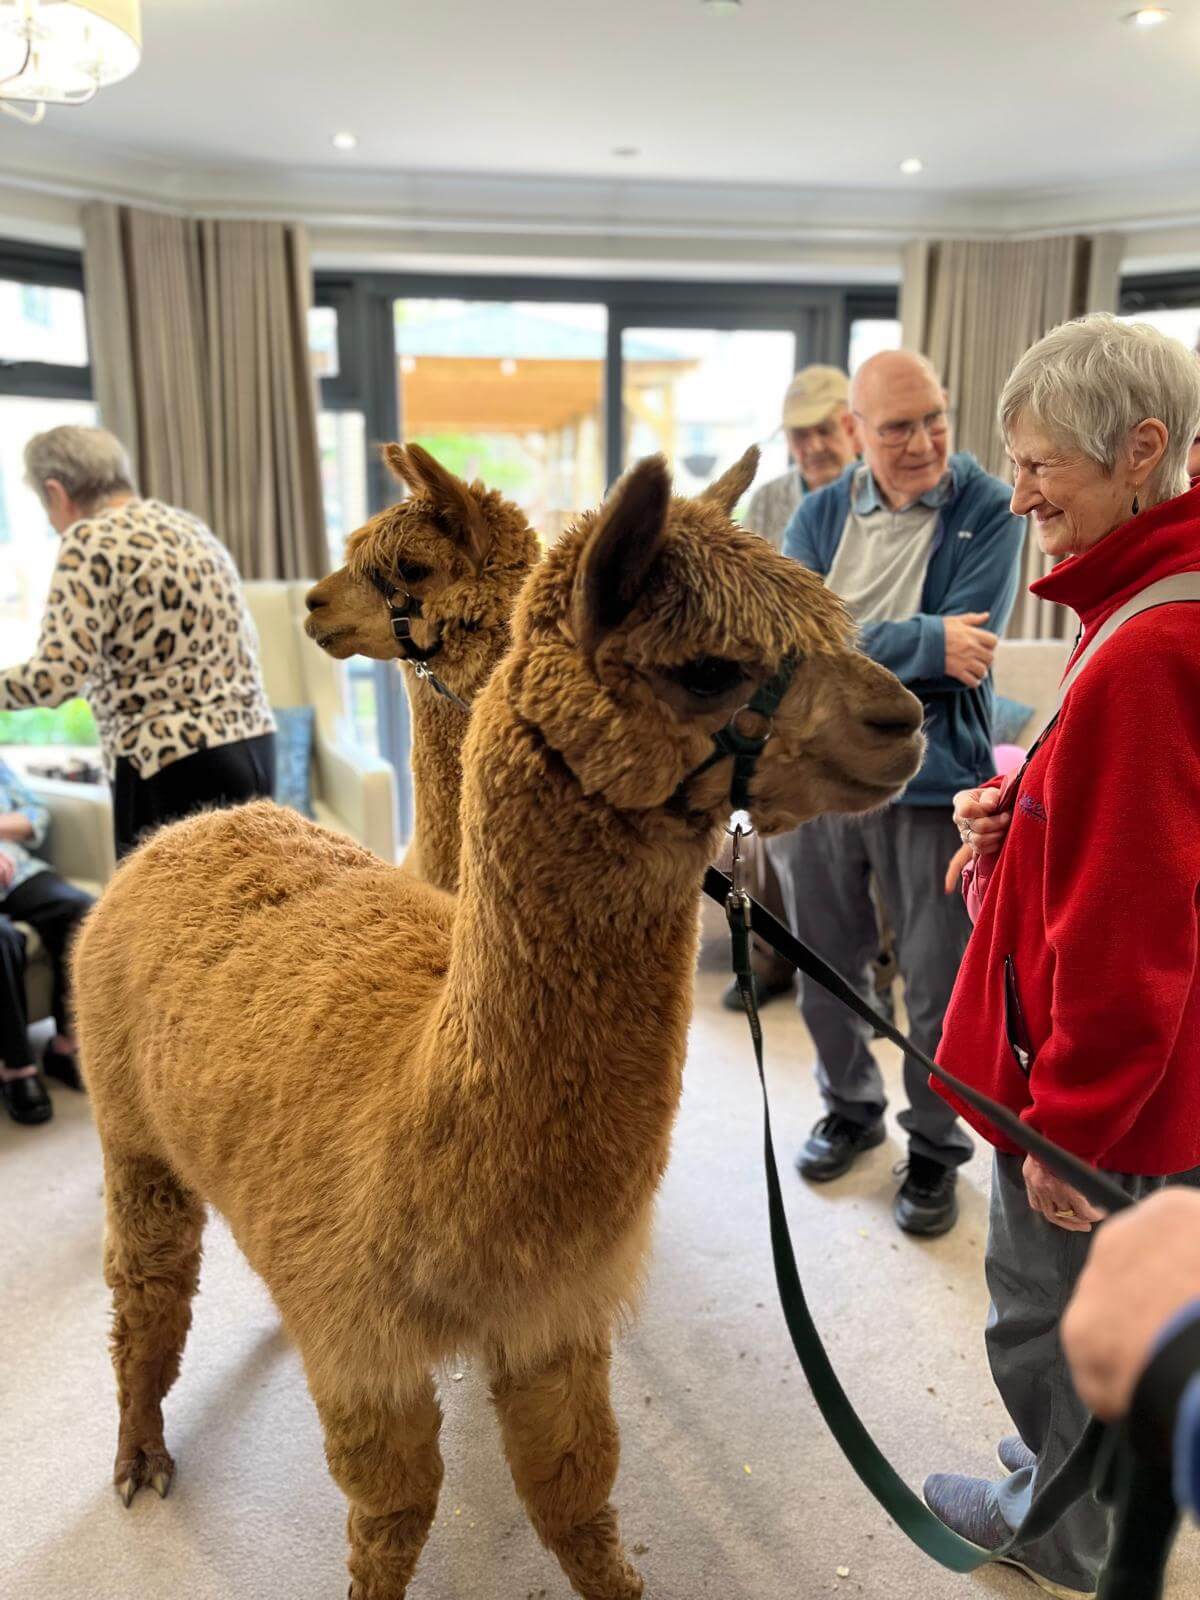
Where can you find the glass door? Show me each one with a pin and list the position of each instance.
(703, 395)
(509, 391)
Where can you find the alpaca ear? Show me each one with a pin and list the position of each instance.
(397, 460)
(622, 548)
(732, 485)
(457, 510)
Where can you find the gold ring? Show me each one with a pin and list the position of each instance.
(1067, 1213)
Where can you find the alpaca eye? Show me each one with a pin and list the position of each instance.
(412, 571)
(709, 677)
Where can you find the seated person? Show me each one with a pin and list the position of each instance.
(31, 892)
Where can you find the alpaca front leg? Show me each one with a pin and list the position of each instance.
(385, 1459)
(562, 1444)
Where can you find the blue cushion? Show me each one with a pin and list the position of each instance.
(293, 757)
(1009, 720)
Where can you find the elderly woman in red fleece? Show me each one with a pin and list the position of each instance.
(1078, 1001)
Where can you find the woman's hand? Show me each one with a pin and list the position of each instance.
(1065, 1207)
(979, 824)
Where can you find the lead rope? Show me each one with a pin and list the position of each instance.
(1102, 1460)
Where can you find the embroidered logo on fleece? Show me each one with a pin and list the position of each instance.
(966, 533)
(1032, 808)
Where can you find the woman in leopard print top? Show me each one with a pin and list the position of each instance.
(146, 618)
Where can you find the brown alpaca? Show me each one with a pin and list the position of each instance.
(463, 552)
(437, 1126)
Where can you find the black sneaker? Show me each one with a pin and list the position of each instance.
(26, 1100)
(927, 1203)
(835, 1144)
(764, 993)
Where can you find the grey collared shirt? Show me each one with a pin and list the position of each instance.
(880, 563)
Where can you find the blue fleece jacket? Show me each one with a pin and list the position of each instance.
(973, 566)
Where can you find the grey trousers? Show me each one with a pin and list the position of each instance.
(1032, 1268)
(825, 870)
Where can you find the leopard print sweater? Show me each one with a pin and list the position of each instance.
(146, 618)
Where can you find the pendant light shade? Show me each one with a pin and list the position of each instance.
(61, 52)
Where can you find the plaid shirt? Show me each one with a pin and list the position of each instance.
(16, 798)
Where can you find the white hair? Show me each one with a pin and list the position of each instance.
(90, 463)
(1090, 382)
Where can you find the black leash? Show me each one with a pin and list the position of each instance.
(1103, 1459)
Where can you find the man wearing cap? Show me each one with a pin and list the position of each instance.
(922, 547)
(820, 436)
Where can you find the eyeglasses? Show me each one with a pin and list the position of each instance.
(895, 435)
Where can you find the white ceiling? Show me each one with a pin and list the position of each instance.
(1009, 103)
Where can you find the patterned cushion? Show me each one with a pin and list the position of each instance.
(293, 757)
(1009, 720)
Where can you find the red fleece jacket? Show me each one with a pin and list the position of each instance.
(1094, 905)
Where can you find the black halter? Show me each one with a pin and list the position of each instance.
(740, 742)
(402, 614)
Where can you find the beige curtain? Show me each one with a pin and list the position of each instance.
(200, 359)
(974, 307)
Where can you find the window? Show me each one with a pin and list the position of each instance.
(322, 340)
(1167, 301)
(511, 392)
(45, 381)
(870, 335)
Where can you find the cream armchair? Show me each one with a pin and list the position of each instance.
(352, 791)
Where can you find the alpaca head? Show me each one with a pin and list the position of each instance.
(654, 620)
(458, 549)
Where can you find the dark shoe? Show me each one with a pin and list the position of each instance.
(927, 1203)
(62, 1066)
(968, 1506)
(764, 993)
(1014, 1454)
(835, 1144)
(27, 1100)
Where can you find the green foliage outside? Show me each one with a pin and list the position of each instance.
(71, 723)
(500, 463)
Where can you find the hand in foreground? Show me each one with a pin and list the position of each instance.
(969, 647)
(1065, 1207)
(978, 822)
(1143, 1268)
(8, 870)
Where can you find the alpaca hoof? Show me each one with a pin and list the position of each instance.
(147, 1467)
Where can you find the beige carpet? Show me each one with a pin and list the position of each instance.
(729, 1486)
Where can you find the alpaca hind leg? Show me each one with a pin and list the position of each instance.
(562, 1444)
(151, 1264)
(386, 1460)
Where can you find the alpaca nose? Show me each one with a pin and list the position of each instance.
(898, 716)
(314, 599)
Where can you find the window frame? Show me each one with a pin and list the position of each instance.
(1159, 291)
(48, 268)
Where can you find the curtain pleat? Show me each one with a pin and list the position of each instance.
(199, 346)
(974, 307)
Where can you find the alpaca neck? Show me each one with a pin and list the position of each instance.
(438, 730)
(569, 987)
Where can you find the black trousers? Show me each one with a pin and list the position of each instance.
(55, 908)
(227, 775)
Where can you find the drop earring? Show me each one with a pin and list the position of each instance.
(1137, 504)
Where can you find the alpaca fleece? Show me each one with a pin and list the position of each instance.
(437, 1126)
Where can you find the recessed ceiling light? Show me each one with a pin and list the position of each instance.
(345, 141)
(626, 151)
(911, 165)
(723, 8)
(1148, 16)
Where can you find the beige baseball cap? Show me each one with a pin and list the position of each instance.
(812, 395)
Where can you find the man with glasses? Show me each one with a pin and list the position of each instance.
(922, 547)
